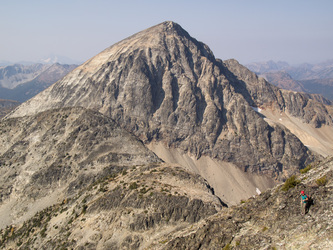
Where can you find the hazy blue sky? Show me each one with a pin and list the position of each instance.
(295, 31)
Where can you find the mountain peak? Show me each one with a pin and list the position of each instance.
(172, 26)
(166, 26)
(166, 87)
(156, 35)
(167, 40)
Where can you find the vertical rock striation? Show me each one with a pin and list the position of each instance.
(163, 85)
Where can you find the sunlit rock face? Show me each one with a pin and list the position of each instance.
(163, 85)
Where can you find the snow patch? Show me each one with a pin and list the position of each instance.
(256, 109)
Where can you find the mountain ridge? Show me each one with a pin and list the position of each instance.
(13, 75)
(152, 144)
(309, 78)
(166, 88)
(127, 216)
(53, 152)
(21, 82)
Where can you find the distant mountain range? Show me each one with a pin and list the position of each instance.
(6, 106)
(21, 82)
(49, 59)
(309, 78)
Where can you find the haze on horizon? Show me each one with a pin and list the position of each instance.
(249, 31)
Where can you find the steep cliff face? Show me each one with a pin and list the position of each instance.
(309, 120)
(164, 86)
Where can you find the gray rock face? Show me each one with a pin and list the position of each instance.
(283, 80)
(298, 105)
(315, 79)
(163, 85)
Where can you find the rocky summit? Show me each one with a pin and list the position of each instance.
(147, 144)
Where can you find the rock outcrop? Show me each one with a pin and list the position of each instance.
(124, 209)
(264, 94)
(271, 220)
(312, 79)
(158, 207)
(55, 154)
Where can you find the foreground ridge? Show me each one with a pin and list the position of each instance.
(125, 211)
(271, 220)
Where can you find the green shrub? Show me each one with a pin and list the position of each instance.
(133, 185)
(227, 247)
(163, 241)
(84, 209)
(291, 182)
(305, 170)
(103, 189)
(144, 190)
(70, 221)
(321, 181)
(43, 232)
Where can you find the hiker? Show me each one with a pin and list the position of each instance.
(305, 203)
